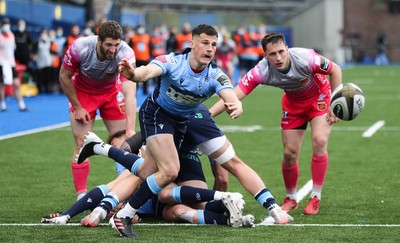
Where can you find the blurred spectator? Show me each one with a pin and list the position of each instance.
(247, 48)
(183, 39)
(44, 61)
(55, 63)
(382, 43)
(225, 55)
(60, 40)
(90, 28)
(8, 74)
(171, 44)
(140, 44)
(157, 43)
(75, 34)
(24, 44)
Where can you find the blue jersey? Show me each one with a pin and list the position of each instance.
(182, 90)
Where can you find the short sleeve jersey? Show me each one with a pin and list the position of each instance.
(91, 75)
(182, 90)
(305, 79)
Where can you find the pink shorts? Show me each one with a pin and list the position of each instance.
(111, 105)
(297, 113)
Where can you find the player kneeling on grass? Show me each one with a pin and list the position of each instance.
(203, 131)
(175, 203)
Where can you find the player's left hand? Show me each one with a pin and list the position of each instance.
(234, 109)
(331, 117)
(127, 69)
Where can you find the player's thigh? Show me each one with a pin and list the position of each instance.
(292, 140)
(162, 148)
(320, 131)
(194, 183)
(120, 177)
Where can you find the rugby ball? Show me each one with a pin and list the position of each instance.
(347, 101)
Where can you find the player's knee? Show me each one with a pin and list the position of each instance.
(319, 142)
(290, 155)
(165, 196)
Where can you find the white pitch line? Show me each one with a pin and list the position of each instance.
(373, 129)
(301, 194)
(36, 130)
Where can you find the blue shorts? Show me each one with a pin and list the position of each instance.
(155, 120)
(201, 128)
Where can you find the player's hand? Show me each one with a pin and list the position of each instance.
(234, 109)
(127, 69)
(331, 117)
(81, 115)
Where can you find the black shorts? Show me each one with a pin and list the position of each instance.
(201, 128)
(155, 120)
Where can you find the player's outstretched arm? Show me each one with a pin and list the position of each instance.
(140, 74)
(221, 105)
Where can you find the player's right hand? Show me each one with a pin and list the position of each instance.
(81, 115)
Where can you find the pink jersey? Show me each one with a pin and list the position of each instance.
(305, 79)
(91, 75)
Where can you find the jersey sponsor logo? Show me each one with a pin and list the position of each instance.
(68, 58)
(224, 80)
(321, 97)
(182, 98)
(198, 115)
(247, 77)
(324, 65)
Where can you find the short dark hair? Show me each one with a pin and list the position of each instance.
(272, 37)
(110, 29)
(204, 28)
(117, 134)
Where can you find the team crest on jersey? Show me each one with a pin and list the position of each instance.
(284, 114)
(321, 105)
(120, 96)
(122, 107)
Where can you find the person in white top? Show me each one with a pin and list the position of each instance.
(8, 74)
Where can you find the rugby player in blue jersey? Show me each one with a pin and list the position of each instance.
(187, 79)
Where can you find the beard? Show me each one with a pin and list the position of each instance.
(107, 54)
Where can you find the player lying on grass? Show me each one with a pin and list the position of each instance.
(203, 131)
(191, 173)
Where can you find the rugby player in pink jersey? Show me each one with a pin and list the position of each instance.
(90, 79)
(301, 73)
